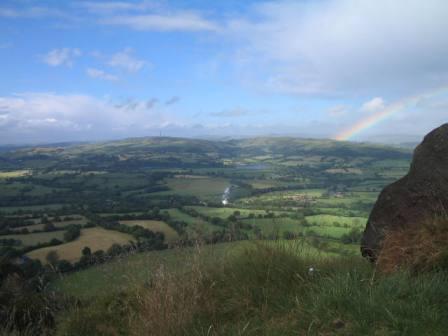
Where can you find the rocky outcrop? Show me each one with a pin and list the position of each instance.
(415, 199)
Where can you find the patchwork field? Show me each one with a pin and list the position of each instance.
(95, 238)
(312, 193)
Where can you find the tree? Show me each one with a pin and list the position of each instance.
(73, 232)
(64, 266)
(115, 250)
(52, 258)
(86, 251)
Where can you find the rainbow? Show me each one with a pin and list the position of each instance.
(379, 116)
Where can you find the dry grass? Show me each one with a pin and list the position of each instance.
(269, 291)
(95, 238)
(167, 306)
(15, 173)
(420, 248)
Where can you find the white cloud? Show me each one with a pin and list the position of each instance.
(373, 105)
(236, 112)
(173, 21)
(31, 12)
(63, 56)
(115, 6)
(125, 60)
(344, 46)
(100, 74)
(54, 117)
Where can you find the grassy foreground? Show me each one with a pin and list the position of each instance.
(269, 289)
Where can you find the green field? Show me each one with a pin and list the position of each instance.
(327, 231)
(225, 212)
(204, 188)
(30, 208)
(274, 226)
(31, 239)
(329, 220)
(196, 226)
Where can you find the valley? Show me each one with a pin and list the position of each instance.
(163, 193)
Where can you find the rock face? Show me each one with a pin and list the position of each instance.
(416, 198)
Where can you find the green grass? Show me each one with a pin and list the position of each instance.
(225, 212)
(196, 226)
(182, 216)
(327, 231)
(204, 188)
(135, 270)
(30, 239)
(275, 225)
(268, 289)
(61, 224)
(330, 220)
(30, 208)
(264, 184)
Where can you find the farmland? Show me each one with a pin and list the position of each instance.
(97, 237)
(143, 197)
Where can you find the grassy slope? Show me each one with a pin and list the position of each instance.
(136, 269)
(269, 290)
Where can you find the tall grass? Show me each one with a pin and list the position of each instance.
(273, 289)
(420, 248)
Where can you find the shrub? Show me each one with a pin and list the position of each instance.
(73, 232)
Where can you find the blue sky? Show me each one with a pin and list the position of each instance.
(93, 70)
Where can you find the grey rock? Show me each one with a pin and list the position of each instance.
(418, 197)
